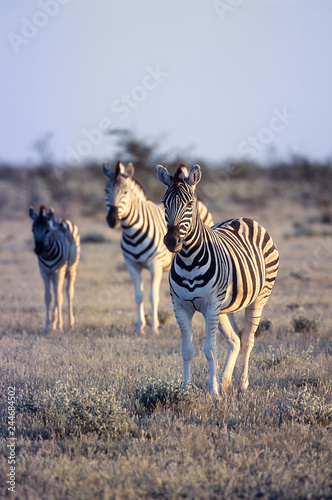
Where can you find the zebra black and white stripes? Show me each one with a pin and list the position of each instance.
(143, 230)
(57, 245)
(216, 271)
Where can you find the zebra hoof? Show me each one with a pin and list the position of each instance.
(140, 330)
(243, 386)
(215, 395)
(225, 386)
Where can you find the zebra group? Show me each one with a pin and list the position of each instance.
(214, 269)
(143, 229)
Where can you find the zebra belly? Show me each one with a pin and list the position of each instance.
(201, 294)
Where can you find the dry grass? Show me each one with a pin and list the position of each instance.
(101, 413)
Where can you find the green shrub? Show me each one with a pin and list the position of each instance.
(305, 325)
(166, 394)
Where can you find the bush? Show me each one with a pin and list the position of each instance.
(305, 325)
(166, 394)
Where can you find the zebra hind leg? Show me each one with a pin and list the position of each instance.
(252, 318)
(230, 331)
(70, 289)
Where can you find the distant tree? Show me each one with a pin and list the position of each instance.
(142, 152)
(42, 147)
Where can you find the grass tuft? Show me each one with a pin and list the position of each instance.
(72, 411)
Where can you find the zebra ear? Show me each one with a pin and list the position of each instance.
(32, 213)
(194, 176)
(107, 171)
(163, 175)
(120, 169)
(130, 170)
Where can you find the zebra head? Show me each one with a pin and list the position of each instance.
(118, 200)
(41, 227)
(179, 201)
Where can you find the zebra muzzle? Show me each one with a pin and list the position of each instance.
(39, 247)
(112, 217)
(172, 239)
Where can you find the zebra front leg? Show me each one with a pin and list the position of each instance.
(210, 348)
(156, 273)
(252, 318)
(48, 298)
(184, 318)
(135, 271)
(58, 279)
(230, 331)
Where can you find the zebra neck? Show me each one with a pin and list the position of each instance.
(195, 236)
(136, 214)
(52, 253)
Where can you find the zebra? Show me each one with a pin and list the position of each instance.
(57, 245)
(216, 271)
(143, 230)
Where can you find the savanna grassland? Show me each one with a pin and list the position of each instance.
(100, 412)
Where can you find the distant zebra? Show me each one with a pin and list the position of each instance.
(143, 230)
(57, 245)
(216, 271)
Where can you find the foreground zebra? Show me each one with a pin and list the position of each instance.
(216, 271)
(57, 245)
(143, 230)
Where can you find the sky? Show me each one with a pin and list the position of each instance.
(219, 79)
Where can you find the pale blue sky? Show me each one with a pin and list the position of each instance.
(228, 78)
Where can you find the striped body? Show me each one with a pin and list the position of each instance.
(143, 230)
(57, 245)
(228, 268)
(216, 271)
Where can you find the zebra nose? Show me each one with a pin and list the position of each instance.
(39, 248)
(112, 217)
(172, 239)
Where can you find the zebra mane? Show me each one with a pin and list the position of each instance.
(138, 188)
(134, 184)
(177, 177)
(42, 209)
